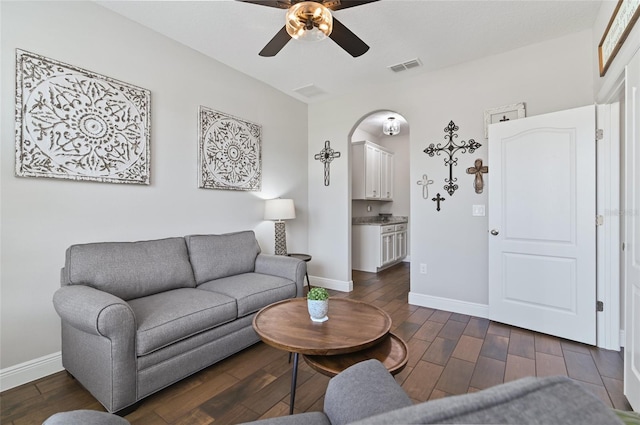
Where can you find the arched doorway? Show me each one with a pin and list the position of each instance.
(380, 191)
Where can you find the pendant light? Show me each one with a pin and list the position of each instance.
(391, 127)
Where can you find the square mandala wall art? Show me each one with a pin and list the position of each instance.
(79, 125)
(229, 152)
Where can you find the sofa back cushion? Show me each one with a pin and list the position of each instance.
(216, 256)
(130, 269)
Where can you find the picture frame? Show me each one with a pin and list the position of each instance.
(620, 25)
(502, 113)
(229, 152)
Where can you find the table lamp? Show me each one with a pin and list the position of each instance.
(279, 209)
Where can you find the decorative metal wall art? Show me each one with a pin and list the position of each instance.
(438, 199)
(229, 152)
(325, 156)
(450, 148)
(76, 124)
(425, 182)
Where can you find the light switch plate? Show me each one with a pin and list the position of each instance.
(478, 211)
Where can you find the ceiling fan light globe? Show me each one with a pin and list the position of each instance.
(309, 21)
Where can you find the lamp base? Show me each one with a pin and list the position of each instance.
(281, 238)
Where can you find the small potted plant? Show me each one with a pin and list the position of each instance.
(318, 304)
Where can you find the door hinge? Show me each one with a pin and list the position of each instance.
(599, 220)
(599, 306)
(599, 134)
(623, 246)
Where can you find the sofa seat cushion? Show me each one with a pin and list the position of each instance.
(165, 318)
(252, 291)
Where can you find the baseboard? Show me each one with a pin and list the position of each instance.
(337, 285)
(448, 304)
(26, 372)
(623, 338)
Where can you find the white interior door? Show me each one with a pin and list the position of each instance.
(632, 235)
(542, 245)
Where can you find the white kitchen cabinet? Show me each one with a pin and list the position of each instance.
(387, 245)
(377, 246)
(401, 241)
(386, 176)
(372, 173)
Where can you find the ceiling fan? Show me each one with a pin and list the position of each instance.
(312, 20)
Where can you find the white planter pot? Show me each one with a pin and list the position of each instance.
(318, 310)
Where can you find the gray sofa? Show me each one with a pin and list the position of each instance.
(366, 394)
(139, 316)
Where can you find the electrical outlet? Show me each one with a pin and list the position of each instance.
(423, 268)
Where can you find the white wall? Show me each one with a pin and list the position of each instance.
(548, 76)
(40, 218)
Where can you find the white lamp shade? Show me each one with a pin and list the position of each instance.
(279, 209)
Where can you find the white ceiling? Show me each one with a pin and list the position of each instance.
(438, 33)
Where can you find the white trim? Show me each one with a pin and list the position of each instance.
(338, 285)
(608, 234)
(622, 338)
(31, 370)
(448, 304)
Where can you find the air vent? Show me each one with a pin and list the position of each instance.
(310, 91)
(414, 63)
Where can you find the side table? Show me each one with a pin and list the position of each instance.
(306, 258)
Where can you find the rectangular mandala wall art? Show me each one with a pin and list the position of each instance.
(229, 152)
(76, 124)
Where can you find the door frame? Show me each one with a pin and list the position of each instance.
(608, 232)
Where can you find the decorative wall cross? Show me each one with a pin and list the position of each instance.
(438, 199)
(478, 169)
(425, 182)
(325, 156)
(451, 148)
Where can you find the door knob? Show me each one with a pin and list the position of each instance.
(494, 232)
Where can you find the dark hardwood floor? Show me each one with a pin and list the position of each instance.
(449, 354)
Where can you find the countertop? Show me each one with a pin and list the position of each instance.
(379, 221)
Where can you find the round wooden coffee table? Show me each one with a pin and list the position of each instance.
(353, 326)
(392, 352)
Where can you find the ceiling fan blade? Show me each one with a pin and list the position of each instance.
(280, 4)
(345, 4)
(276, 44)
(347, 40)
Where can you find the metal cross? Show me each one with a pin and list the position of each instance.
(478, 169)
(425, 182)
(438, 199)
(325, 156)
(451, 148)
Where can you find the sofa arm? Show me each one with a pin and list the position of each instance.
(99, 343)
(362, 390)
(93, 311)
(283, 266)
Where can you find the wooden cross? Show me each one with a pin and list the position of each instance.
(425, 182)
(478, 169)
(438, 199)
(325, 156)
(450, 148)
